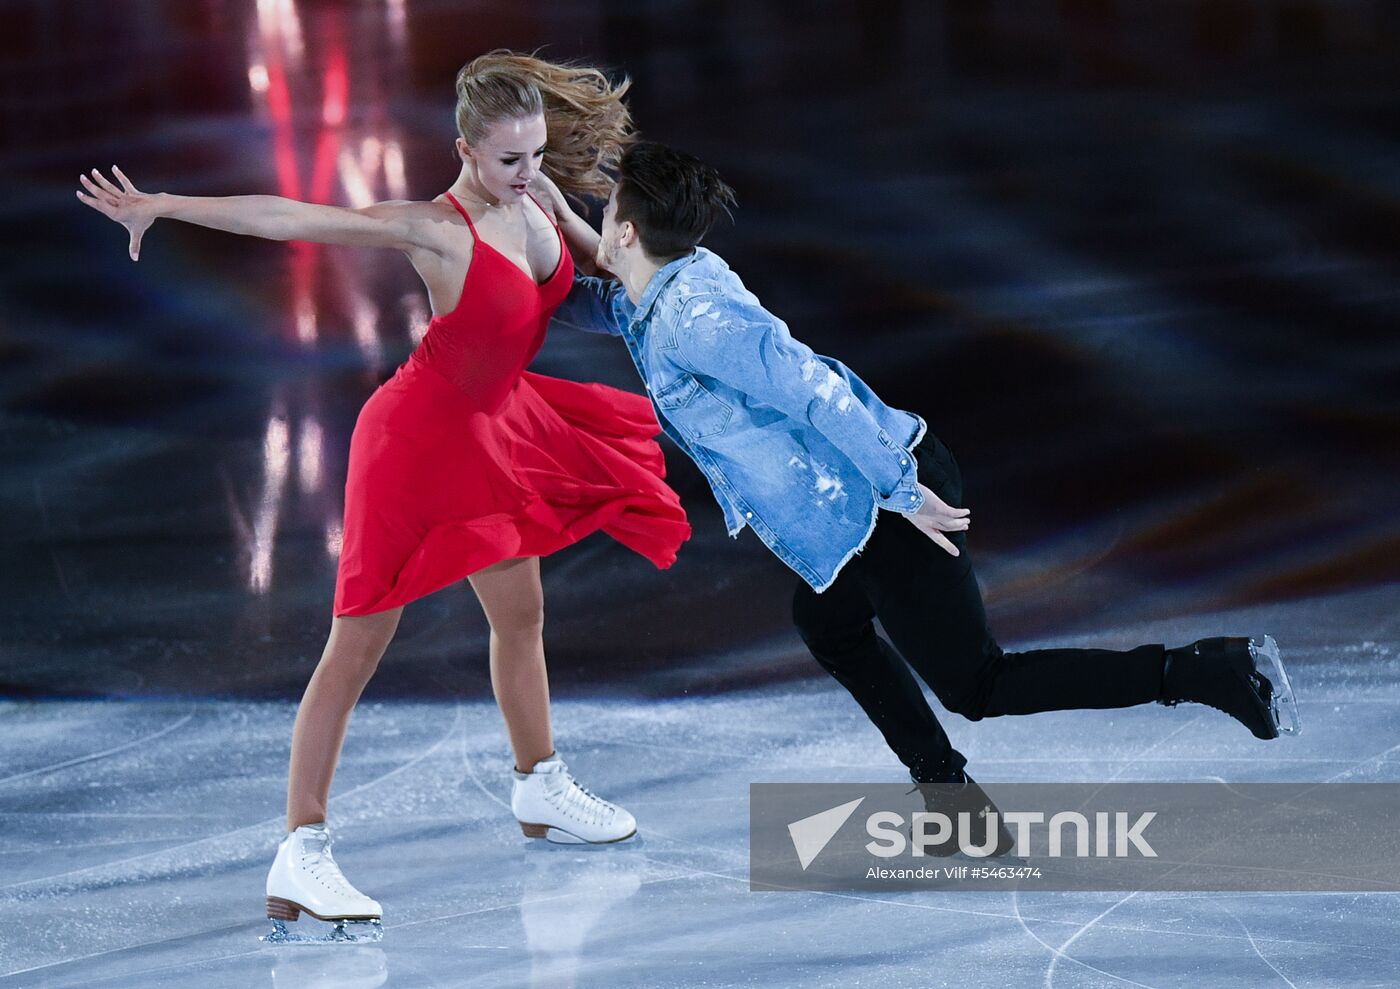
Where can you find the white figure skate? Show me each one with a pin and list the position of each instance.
(549, 803)
(306, 879)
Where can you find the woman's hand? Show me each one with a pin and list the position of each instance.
(578, 234)
(546, 185)
(937, 517)
(128, 205)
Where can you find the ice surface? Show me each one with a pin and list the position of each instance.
(136, 837)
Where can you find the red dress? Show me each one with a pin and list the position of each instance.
(464, 459)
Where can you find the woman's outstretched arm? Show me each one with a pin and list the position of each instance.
(406, 226)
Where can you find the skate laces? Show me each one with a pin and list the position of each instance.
(578, 802)
(317, 860)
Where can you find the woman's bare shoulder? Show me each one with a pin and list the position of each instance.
(414, 211)
(430, 210)
(437, 218)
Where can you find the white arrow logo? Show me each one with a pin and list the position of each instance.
(811, 834)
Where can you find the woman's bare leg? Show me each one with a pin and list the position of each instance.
(513, 599)
(351, 655)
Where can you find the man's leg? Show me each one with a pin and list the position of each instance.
(838, 628)
(931, 607)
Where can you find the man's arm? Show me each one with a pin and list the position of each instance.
(592, 305)
(749, 350)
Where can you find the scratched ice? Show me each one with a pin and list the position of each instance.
(135, 836)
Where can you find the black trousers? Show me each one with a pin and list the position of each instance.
(930, 606)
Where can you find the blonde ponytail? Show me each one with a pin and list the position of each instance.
(589, 124)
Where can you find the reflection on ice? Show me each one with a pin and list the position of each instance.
(330, 967)
(563, 898)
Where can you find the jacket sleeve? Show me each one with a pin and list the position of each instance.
(746, 348)
(594, 305)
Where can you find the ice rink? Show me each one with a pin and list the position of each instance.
(137, 836)
(1135, 262)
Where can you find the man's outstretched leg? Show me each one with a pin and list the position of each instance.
(931, 606)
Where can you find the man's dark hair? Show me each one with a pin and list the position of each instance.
(673, 198)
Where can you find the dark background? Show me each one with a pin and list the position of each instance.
(1134, 260)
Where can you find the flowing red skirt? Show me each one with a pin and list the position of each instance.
(437, 490)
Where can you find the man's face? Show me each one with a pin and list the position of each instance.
(609, 248)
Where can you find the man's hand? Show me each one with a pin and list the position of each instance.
(937, 517)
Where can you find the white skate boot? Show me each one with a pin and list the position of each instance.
(305, 879)
(549, 803)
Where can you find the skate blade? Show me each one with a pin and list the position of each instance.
(558, 836)
(1283, 706)
(339, 932)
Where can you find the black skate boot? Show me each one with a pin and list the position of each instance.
(1232, 674)
(954, 793)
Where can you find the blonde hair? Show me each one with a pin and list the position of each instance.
(589, 124)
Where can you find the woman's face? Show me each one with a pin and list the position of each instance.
(508, 158)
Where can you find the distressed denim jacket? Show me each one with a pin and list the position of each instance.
(794, 444)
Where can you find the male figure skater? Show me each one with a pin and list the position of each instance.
(853, 495)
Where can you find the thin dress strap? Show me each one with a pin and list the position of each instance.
(470, 226)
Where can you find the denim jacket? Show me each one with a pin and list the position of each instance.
(794, 444)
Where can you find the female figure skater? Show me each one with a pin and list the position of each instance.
(463, 464)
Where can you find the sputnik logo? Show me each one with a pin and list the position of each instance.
(811, 834)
